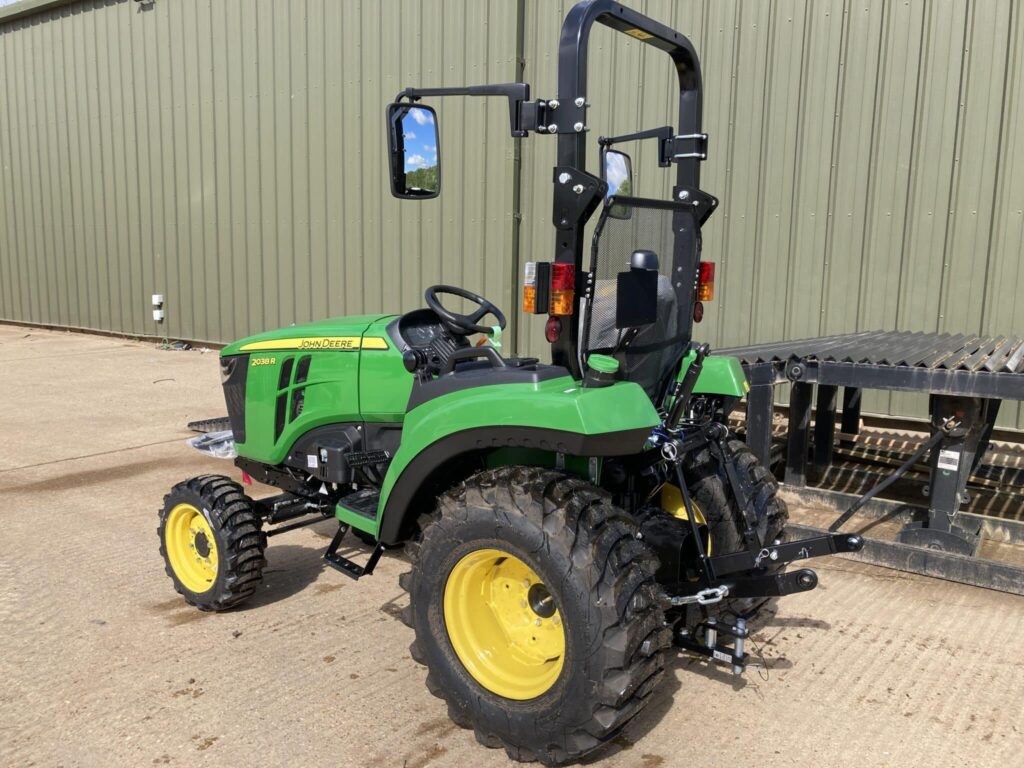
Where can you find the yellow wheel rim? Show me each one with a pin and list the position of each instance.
(504, 625)
(672, 502)
(191, 548)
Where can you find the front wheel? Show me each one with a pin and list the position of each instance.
(211, 542)
(535, 612)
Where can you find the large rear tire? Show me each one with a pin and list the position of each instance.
(535, 612)
(211, 542)
(710, 489)
(712, 494)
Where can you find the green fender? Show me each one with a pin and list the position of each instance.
(719, 376)
(557, 415)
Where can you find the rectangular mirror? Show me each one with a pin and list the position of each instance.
(413, 148)
(617, 170)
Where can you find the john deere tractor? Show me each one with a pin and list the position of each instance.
(567, 523)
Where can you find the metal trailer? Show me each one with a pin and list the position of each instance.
(967, 377)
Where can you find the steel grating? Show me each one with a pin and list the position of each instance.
(945, 351)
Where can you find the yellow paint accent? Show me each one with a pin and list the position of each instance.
(340, 343)
(184, 524)
(502, 643)
(639, 34)
(672, 502)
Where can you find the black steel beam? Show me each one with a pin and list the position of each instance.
(851, 411)
(799, 434)
(824, 426)
(975, 571)
(760, 406)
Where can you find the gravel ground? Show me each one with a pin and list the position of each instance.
(102, 664)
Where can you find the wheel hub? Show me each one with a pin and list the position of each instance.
(541, 601)
(202, 545)
(191, 548)
(504, 624)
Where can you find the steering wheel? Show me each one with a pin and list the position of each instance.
(463, 325)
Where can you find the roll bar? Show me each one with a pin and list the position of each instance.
(572, 150)
(577, 194)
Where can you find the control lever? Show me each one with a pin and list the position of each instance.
(684, 389)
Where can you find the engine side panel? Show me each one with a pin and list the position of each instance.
(303, 377)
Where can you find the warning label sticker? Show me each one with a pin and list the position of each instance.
(949, 460)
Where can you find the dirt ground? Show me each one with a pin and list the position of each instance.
(102, 664)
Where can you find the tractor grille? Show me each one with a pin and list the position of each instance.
(658, 346)
(234, 370)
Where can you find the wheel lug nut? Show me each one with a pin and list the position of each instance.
(537, 622)
(522, 603)
(526, 583)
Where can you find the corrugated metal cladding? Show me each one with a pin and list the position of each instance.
(869, 158)
(230, 154)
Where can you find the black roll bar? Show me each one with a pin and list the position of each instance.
(572, 151)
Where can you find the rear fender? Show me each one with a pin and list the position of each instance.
(554, 416)
(719, 376)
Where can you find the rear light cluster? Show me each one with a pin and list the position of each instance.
(705, 288)
(549, 288)
(706, 281)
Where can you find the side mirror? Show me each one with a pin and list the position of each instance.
(413, 151)
(617, 170)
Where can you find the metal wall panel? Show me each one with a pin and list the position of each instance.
(230, 154)
(866, 156)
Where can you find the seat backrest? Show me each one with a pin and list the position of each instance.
(647, 359)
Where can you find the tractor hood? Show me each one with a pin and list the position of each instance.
(339, 333)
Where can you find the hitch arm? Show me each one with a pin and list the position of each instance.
(815, 546)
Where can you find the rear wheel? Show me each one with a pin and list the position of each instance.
(712, 495)
(535, 612)
(211, 542)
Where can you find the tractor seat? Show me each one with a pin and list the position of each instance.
(654, 350)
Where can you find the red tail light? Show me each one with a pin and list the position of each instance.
(563, 283)
(706, 281)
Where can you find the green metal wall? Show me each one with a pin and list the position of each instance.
(230, 154)
(869, 157)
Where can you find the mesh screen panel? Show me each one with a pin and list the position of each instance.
(657, 346)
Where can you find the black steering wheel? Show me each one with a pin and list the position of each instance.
(463, 325)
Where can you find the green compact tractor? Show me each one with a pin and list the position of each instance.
(567, 523)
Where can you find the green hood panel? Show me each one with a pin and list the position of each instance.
(307, 376)
(340, 333)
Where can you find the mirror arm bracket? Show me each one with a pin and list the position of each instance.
(522, 113)
(663, 135)
(524, 116)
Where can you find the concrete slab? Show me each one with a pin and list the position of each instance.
(104, 665)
